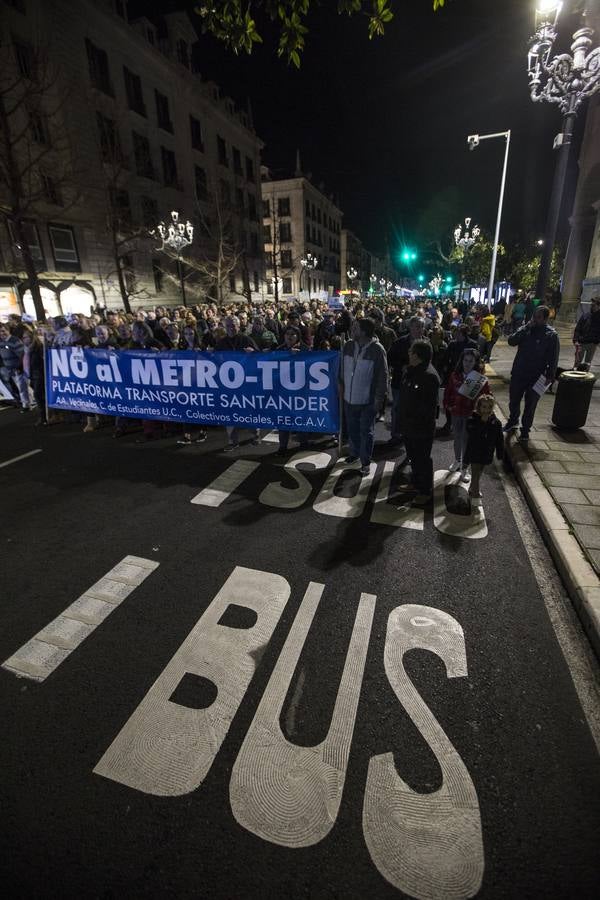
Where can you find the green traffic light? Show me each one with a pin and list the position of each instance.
(421, 278)
(413, 255)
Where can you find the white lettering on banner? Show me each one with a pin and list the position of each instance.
(64, 362)
(472, 526)
(223, 486)
(344, 507)
(166, 749)
(385, 513)
(426, 845)
(275, 494)
(282, 792)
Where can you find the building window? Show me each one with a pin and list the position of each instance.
(266, 207)
(286, 259)
(318, 215)
(224, 192)
(51, 190)
(287, 285)
(120, 9)
(64, 248)
(98, 68)
(201, 183)
(314, 214)
(249, 169)
(149, 211)
(169, 167)
(267, 234)
(232, 282)
(253, 243)
(222, 151)
(269, 287)
(120, 208)
(307, 231)
(133, 89)
(283, 206)
(24, 57)
(285, 232)
(150, 36)
(110, 146)
(39, 130)
(32, 239)
(162, 112)
(183, 54)
(307, 209)
(239, 200)
(143, 158)
(255, 279)
(252, 207)
(196, 134)
(158, 275)
(237, 161)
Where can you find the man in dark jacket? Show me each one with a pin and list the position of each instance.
(11, 366)
(240, 343)
(417, 410)
(398, 361)
(587, 336)
(537, 355)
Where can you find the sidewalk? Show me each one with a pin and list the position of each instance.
(559, 474)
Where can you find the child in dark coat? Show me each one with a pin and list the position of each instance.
(484, 436)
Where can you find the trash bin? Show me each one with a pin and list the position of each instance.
(572, 401)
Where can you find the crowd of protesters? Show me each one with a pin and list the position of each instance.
(415, 354)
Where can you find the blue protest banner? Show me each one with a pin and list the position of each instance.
(284, 390)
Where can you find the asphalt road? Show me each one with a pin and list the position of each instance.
(175, 738)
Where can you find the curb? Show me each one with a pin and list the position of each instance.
(579, 577)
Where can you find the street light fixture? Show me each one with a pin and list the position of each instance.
(567, 80)
(473, 141)
(175, 237)
(465, 238)
(351, 275)
(308, 262)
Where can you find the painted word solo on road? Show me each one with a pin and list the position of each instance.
(388, 508)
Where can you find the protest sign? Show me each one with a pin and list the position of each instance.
(472, 385)
(288, 391)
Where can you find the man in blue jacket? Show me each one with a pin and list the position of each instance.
(538, 348)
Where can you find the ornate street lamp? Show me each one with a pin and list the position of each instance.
(175, 237)
(435, 284)
(465, 238)
(308, 263)
(566, 80)
(351, 275)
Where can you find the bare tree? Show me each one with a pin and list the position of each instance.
(37, 169)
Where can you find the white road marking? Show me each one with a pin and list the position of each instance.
(275, 494)
(40, 656)
(473, 526)
(328, 504)
(271, 437)
(226, 483)
(285, 793)
(15, 459)
(385, 513)
(167, 749)
(426, 845)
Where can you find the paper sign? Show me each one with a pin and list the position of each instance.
(472, 385)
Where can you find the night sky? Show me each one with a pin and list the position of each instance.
(384, 123)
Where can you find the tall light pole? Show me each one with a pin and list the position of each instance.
(351, 275)
(465, 238)
(567, 80)
(309, 263)
(473, 141)
(175, 237)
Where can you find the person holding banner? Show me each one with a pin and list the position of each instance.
(417, 413)
(11, 367)
(292, 340)
(240, 343)
(365, 372)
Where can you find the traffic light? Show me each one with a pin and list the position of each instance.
(448, 279)
(408, 255)
(421, 279)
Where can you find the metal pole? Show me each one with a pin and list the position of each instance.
(558, 186)
(45, 381)
(341, 397)
(181, 280)
(498, 220)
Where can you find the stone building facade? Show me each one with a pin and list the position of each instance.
(299, 218)
(126, 95)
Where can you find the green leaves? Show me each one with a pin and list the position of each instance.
(234, 22)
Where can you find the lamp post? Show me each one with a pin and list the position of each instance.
(308, 263)
(351, 275)
(567, 80)
(473, 141)
(464, 238)
(373, 281)
(175, 237)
